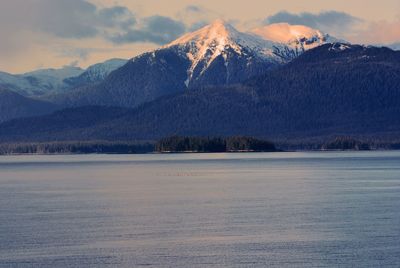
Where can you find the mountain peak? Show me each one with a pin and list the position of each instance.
(222, 27)
(205, 45)
(272, 44)
(218, 30)
(219, 23)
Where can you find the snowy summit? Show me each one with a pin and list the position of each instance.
(219, 39)
(275, 43)
(294, 35)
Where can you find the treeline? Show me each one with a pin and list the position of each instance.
(346, 143)
(213, 144)
(194, 144)
(354, 144)
(90, 147)
(171, 144)
(341, 143)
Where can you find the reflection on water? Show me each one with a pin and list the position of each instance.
(201, 210)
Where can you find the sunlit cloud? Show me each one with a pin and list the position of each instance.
(53, 33)
(332, 22)
(380, 32)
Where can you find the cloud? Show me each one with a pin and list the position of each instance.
(345, 26)
(74, 63)
(197, 16)
(328, 21)
(80, 20)
(117, 16)
(197, 25)
(154, 29)
(381, 32)
(66, 19)
(193, 8)
(73, 52)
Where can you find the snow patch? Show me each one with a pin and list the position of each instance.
(339, 47)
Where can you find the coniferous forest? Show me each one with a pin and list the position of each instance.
(202, 144)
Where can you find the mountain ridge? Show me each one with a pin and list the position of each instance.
(14, 105)
(215, 55)
(331, 90)
(51, 81)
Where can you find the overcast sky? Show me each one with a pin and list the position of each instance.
(54, 33)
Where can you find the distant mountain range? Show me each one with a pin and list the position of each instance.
(333, 89)
(95, 73)
(51, 81)
(217, 54)
(280, 81)
(38, 82)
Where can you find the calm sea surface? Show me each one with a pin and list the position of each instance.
(201, 210)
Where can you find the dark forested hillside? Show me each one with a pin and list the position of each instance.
(61, 125)
(332, 90)
(14, 105)
(161, 73)
(355, 90)
(143, 79)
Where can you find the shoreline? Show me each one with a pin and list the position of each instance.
(194, 145)
(194, 152)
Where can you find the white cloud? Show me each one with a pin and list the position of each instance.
(333, 22)
(380, 32)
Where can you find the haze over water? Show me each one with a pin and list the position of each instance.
(201, 210)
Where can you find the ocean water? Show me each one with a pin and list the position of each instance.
(317, 209)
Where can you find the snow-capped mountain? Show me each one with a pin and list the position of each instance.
(50, 80)
(38, 82)
(45, 81)
(293, 40)
(220, 41)
(214, 55)
(16, 83)
(95, 73)
(273, 44)
(100, 71)
(294, 35)
(59, 74)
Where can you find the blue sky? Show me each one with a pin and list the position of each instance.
(54, 33)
